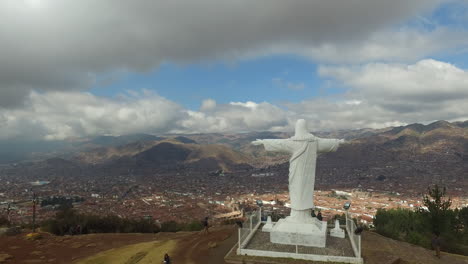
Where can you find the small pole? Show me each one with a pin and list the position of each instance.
(239, 232)
(346, 215)
(359, 248)
(347, 225)
(251, 223)
(260, 215)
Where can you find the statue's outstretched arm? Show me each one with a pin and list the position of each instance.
(328, 145)
(281, 145)
(257, 142)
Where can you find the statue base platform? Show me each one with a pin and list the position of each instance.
(268, 226)
(312, 233)
(337, 231)
(340, 233)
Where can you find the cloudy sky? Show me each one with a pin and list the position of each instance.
(80, 68)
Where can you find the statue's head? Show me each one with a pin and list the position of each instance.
(301, 131)
(301, 127)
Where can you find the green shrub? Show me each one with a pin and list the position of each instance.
(170, 226)
(193, 226)
(67, 221)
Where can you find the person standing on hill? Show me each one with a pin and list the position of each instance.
(319, 216)
(167, 259)
(206, 225)
(436, 243)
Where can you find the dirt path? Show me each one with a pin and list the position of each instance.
(187, 248)
(202, 248)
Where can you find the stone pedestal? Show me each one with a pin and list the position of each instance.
(268, 226)
(337, 231)
(300, 229)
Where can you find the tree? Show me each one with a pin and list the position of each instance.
(437, 208)
(403, 224)
(463, 216)
(417, 227)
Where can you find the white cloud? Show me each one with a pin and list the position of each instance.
(403, 45)
(425, 91)
(59, 115)
(324, 114)
(378, 95)
(425, 82)
(238, 117)
(247, 105)
(208, 104)
(68, 44)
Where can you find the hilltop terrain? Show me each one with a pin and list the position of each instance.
(185, 247)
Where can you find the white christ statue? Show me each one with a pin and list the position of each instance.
(304, 148)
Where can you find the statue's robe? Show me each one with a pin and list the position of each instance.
(301, 165)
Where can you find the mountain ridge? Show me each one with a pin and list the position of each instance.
(387, 158)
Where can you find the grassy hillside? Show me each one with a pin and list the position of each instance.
(142, 253)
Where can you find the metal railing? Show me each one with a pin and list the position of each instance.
(355, 239)
(252, 224)
(249, 226)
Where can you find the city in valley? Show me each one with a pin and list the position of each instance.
(184, 197)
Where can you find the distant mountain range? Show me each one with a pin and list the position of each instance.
(394, 158)
(166, 155)
(402, 158)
